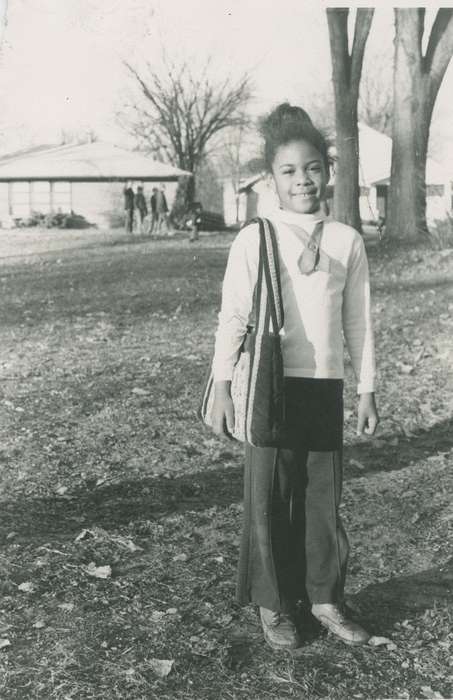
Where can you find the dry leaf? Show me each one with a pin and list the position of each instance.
(225, 620)
(67, 607)
(355, 463)
(132, 547)
(428, 692)
(39, 624)
(98, 571)
(139, 392)
(26, 587)
(180, 557)
(127, 543)
(161, 667)
(382, 641)
(157, 615)
(4, 642)
(419, 355)
(82, 535)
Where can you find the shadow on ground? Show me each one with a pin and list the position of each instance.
(113, 505)
(402, 597)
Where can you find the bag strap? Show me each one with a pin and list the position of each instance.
(270, 266)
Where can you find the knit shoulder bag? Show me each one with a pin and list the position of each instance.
(257, 385)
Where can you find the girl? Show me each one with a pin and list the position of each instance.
(294, 546)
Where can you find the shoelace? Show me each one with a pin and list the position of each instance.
(338, 615)
(279, 618)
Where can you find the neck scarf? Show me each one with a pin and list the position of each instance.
(311, 258)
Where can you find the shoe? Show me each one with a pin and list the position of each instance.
(331, 617)
(279, 630)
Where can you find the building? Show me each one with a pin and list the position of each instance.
(375, 149)
(87, 179)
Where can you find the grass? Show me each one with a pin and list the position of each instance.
(103, 352)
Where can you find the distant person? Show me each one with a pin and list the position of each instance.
(161, 210)
(129, 198)
(140, 208)
(153, 206)
(194, 221)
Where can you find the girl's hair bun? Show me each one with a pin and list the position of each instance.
(290, 123)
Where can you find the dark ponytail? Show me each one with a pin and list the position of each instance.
(289, 123)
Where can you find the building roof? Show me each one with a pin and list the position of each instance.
(248, 183)
(89, 162)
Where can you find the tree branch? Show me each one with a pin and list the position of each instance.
(182, 112)
(363, 20)
(337, 20)
(440, 50)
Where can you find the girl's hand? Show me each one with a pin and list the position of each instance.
(223, 410)
(368, 419)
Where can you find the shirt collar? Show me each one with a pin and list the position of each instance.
(305, 221)
(291, 243)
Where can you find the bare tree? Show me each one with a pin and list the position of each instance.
(320, 105)
(376, 96)
(233, 152)
(417, 79)
(346, 70)
(180, 112)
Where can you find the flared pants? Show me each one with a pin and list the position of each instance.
(294, 546)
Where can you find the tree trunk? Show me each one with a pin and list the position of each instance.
(190, 190)
(181, 202)
(347, 190)
(410, 132)
(346, 73)
(416, 82)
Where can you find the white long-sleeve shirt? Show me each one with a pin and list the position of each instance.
(318, 308)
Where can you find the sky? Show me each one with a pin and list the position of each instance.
(61, 62)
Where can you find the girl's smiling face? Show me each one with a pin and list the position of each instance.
(299, 176)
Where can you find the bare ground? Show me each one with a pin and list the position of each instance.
(104, 346)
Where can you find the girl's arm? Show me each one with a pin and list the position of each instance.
(367, 415)
(358, 331)
(237, 303)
